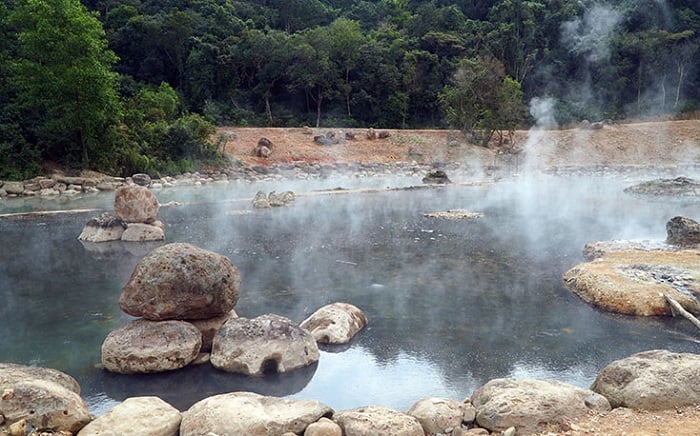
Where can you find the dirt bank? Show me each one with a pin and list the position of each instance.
(649, 143)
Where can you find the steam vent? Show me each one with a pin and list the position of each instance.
(135, 218)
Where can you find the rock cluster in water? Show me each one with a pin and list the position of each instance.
(45, 399)
(135, 218)
(635, 278)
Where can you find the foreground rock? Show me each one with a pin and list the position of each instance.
(181, 281)
(335, 323)
(529, 404)
(438, 415)
(143, 346)
(103, 228)
(44, 398)
(651, 380)
(377, 420)
(683, 231)
(263, 345)
(136, 204)
(680, 186)
(245, 413)
(632, 283)
(143, 416)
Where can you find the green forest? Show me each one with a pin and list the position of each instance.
(140, 85)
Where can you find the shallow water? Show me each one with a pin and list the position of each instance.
(451, 304)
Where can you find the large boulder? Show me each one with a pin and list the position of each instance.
(682, 231)
(529, 404)
(103, 228)
(437, 415)
(335, 323)
(263, 345)
(136, 204)
(246, 413)
(45, 398)
(143, 416)
(181, 281)
(377, 420)
(142, 346)
(651, 380)
(632, 282)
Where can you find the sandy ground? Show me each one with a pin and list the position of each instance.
(647, 143)
(650, 143)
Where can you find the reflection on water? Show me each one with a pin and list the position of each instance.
(451, 304)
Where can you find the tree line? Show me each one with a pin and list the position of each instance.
(139, 84)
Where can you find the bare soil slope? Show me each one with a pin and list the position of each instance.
(649, 143)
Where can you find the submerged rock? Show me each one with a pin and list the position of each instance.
(181, 281)
(529, 404)
(651, 380)
(247, 413)
(143, 346)
(263, 345)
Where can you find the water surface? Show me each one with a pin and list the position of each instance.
(451, 304)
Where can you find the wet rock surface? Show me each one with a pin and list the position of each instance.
(529, 404)
(651, 380)
(266, 344)
(336, 323)
(142, 346)
(634, 283)
(181, 281)
(103, 228)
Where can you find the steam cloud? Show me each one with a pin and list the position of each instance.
(589, 35)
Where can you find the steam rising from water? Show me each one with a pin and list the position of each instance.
(589, 36)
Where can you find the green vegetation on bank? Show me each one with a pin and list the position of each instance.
(137, 85)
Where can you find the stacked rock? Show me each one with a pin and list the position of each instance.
(175, 290)
(135, 218)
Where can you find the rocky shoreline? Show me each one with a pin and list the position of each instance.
(57, 185)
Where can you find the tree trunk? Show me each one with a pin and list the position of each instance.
(268, 110)
(319, 99)
(681, 73)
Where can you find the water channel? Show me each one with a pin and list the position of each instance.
(451, 303)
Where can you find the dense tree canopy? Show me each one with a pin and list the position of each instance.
(381, 63)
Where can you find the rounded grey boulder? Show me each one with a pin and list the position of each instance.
(143, 346)
(263, 345)
(181, 281)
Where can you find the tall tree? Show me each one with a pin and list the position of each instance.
(483, 100)
(62, 70)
